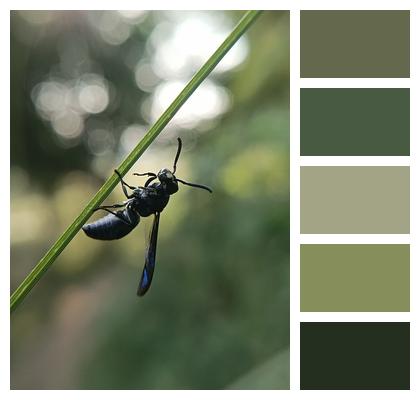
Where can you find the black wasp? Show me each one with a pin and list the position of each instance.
(145, 200)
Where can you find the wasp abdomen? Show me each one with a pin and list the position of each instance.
(112, 227)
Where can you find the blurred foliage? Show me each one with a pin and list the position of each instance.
(217, 314)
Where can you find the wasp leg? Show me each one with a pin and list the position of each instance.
(119, 216)
(149, 181)
(146, 174)
(111, 206)
(124, 184)
(152, 175)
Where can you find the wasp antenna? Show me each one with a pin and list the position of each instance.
(195, 185)
(178, 152)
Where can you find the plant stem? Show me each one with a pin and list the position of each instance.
(43, 265)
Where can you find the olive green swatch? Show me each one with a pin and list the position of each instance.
(355, 355)
(355, 200)
(355, 44)
(355, 277)
(355, 122)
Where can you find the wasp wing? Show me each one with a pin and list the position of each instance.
(149, 264)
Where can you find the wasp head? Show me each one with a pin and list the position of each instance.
(168, 179)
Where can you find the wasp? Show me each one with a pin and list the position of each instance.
(143, 201)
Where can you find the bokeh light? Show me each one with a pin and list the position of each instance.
(208, 102)
(93, 94)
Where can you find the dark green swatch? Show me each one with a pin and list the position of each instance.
(355, 122)
(355, 44)
(355, 277)
(355, 355)
(355, 199)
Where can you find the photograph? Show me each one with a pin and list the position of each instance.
(149, 200)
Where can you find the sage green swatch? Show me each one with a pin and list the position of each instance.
(355, 122)
(343, 200)
(355, 277)
(355, 44)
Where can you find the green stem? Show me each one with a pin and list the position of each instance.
(35, 275)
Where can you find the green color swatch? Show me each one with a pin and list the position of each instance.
(355, 200)
(355, 122)
(355, 277)
(355, 44)
(355, 355)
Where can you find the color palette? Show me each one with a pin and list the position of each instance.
(355, 355)
(355, 122)
(355, 277)
(355, 44)
(354, 200)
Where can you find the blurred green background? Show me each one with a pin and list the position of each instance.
(85, 87)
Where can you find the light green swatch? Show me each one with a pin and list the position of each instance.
(355, 277)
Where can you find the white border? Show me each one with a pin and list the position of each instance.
(354, 161)
(354, 83)
(294, 6)
(414, 197)
(213, 5)
(354, 239)
(5, 205)
(354, 316)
